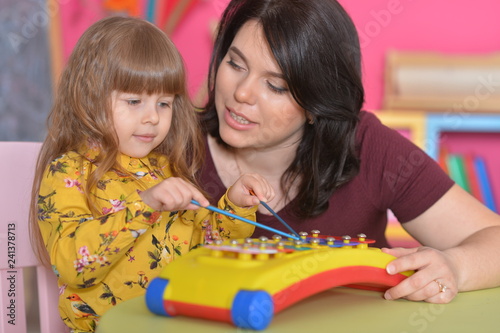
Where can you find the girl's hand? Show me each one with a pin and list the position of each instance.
(435, 278)
(173, 194)
(243, 190)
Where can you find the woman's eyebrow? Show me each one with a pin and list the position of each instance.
(238, 53)
(242, 56)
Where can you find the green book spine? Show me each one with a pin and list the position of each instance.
(456, 168)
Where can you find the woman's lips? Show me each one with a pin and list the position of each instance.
(237, 121)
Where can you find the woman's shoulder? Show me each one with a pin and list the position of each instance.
(370, 131)
(368, 121)
(378, 142)
(392, 165)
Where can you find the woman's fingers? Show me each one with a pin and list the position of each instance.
(433, 280)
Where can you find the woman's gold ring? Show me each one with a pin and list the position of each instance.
(442, 287)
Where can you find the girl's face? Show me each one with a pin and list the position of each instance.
(254, 106)
(141, 121)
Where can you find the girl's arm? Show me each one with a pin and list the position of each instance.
(83, 247)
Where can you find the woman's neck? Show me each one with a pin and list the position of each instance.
(231, 163)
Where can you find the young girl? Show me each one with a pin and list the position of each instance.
(115, 176)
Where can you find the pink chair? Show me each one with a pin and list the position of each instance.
(17, 166)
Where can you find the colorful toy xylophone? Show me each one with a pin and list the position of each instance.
(246, 282)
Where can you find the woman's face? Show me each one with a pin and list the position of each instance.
(254, 106)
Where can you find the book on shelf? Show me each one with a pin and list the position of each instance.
(456, 170)
(470, 169)
(485, 184)
(443, 159)
(470, 173)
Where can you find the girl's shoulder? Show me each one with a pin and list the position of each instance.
(67, 157)
(68, 162)
(84, 154)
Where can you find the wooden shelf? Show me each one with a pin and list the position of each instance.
(442, 82)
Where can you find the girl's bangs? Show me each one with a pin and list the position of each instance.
(146, 70)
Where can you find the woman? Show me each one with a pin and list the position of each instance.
(285, 95)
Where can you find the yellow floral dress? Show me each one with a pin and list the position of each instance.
(103, 260)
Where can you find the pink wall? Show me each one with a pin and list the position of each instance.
(450, 26)
(193, 38)
(75, 18)
(468, 26)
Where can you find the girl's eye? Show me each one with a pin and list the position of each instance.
(133, 102)
(164, 104)
(277, 90)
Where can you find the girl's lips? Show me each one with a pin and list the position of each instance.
(145, 138)
(236, 121)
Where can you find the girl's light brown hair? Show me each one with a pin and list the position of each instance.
(128, 55)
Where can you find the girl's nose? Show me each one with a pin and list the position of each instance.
(151, 114)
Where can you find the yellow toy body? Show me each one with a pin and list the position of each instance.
(246, 282)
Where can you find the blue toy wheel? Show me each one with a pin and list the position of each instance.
(252, 309)
(154, 296)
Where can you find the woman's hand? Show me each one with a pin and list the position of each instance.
(173, 194)
(249, 190)
(435, 278)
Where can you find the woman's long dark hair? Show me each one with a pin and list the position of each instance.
(316, 45)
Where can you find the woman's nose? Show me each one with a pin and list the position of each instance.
(245, 90)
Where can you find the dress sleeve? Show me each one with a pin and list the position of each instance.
(214, 226)
(74, 237)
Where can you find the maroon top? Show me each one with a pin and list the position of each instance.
(394, 174)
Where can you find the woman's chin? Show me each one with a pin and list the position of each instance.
(237, 140)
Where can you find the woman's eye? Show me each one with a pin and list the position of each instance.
(277, 90)
(233, 64)
(164, 104)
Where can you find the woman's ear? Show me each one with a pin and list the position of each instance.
(310, 118)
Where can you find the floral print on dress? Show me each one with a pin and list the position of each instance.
(109, 257)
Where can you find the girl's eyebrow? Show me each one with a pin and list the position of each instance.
(242, 56)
